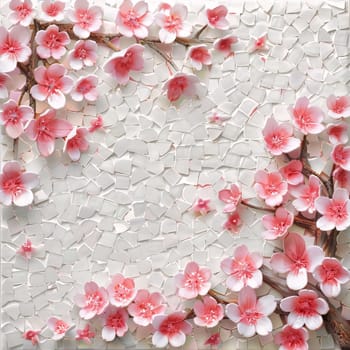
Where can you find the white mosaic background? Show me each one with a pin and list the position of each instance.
(124, 207)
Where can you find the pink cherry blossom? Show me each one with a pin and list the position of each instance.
(277, 225)
(93, 302)
(251, 313)
(233, 222)
(278, 137)
(198, 56)
(85, 19)
(208, 312)
(297, 260)
(193, 281)
(14, 118)
(145, 306)
(120, 64)
(170, 329)
(243, 269)
(181, 84)
(96, 124)
(115, 323)
(270, 187)
(85, 87)
(307, 119)
(335, 212)
(58, 327)
(292, 339)
(26, 249)
(338, 107)
(14, 47)
(52, 10)
(217, 17)
(53, 84)
(85, 334)
(84, 53)
(32, 336)
(341, 156)
(202, 207)
(134, 20)
(231, 197)
(225, 44)
(172, 23)
(292, 172)
(121, 290)
(45, 129)
(76, 143)
(338, 133)
(306, 195)
(217, 119)
(342, 178)
(305, 308)
(257, 44)
(22, 12)
(51, 42)
(213, 340)
(16, 185)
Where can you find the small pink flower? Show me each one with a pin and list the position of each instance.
(307, 119)
(292, 172)
(96, 124)
(85, 87)
(306, 308)
(225, 44)
(14, 118)
(213, 340)
(257, 44)
(145, 306)
(202, 207)
(84, 53)
(292, 339)
(278, 137)
(172, 23)
(85, 334)
(198, 56)
(216, 119)
(243, 269)
(335, 212)
(251, 313)
(297, 260)
(277, 225)
(121, 290)
(58, 327)
(76, 143)
(115, 323)
(52, 10)
(231, 197)
(51, 42)
(14, 47)
(53, 84)
(181, 84)
(32, 336)
(26, 249)
(208, 312)
(16, 185)
(338, 133)
(342, 178)
(341, 156)
(45, 129)
(233, 222)
(338, 107)
(123, 62)
(85, 19)
(170, 329)
(93, 302)
(134, 20)
(193, 281)
(270, 187)
(22, 12)
(306, 195)
(217, 17)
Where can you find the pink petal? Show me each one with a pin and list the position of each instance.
(108, 333)
(24, 198)
(297, 280)
(264, 326)
(246, 330)
(281, 263)
(313, 322)
(178, 339)
(14, 130)
(61, 128)
(331, 290)
(315, 255)
(287, 304)
(233, 313)
(46, 146)
(30, 180)
(266, 305)
(159, 340)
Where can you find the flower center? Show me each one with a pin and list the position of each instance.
(173, 23)
(115, 321)
(250, 316)
(94, 301)
(27, 247)
(210, 315)
(305, 306)
(338, 107)
(243, 269)
(81, 53)
(194, 280)
(84, 86)
(10, 47)
(13, 186)
(170, 327)
(84, 18)
(338, 211)
(60, 327)
(13, 115)
(131, 19)
(146, 310)
(52, 10)
(23, 11)
(122, 292)
(52, 40)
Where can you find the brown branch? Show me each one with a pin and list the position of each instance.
(247, 204)
(200, 31)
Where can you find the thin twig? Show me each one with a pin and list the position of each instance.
(200, 31)
(245, 203)
(163, 55)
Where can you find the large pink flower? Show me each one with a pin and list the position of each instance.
(225, 44)
(51, 42)
(85, 87)
(14, 117)
(193, 281)
(121, 290)
(338, 133)
(270, 187)
(306, 308)
(277, 225)
(307, 119)
(342, 178)
(16, 185)
(278, 137)
(52, 10)
(84, 53)
(208, 312)
(22, 12)
(45, 129)
(170, 329)
(341, 156)
(13, 47)
(53, 84)
(134, 20)
(76, 143)
(93, 302)
(231, 197)
(292, 339)
(115, 323)
(121, 63)
(198, 56)
(58, 327)
(181, 84)
(217, 17)
(297, 260)
(251, 313)
(338, 107)
(145, 306)
(335, 212)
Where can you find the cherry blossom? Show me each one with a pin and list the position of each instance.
(84, 53)
(58, 327)
(233, 222)
(85, 334)
(45, 129)
(305, 308)
(145, 306)
(121, 290)
(217, 119)
(213, 340)
(231, 197)
(193, 281)
(51, 42)
(341, 156)
(52, 10)
(202, 207)
(277, 225)
(76, 143)
(208, 312)
(342, 178)
(15, 117)
(338, 107)
(335, 212)
(251, 313)
(338, 133)
(96, 124)
(307, 119)
(86, 19)
(32, 336)
(26, 249)
(297, 260)
(198, 56)
(257, 44)
(115, 323)
(134, 20)
(217, 17)
(16, 185)
(225, 44)
(85, 87)
(181, 84)
(278, 137)
(22, 12)
(292, 172)
(292, 339)
(170, 329)
(270, 187)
